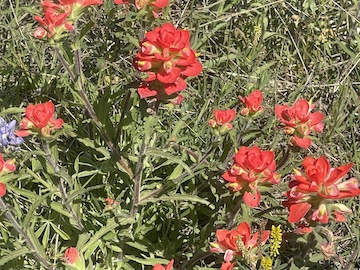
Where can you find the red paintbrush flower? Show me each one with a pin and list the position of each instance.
(312, 190)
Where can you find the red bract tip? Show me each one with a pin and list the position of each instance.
(169, 266)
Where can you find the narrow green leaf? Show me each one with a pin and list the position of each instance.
(82, 191)
(45, 239)
(176, 172)
(40, 230)
(60, 232)
(178, 197)
(100, 233)
(165, 155)
(133, 40)
(87, 173)
(138, 246)
(11, 111)
(85, 29)
(35, 241)
(148, 127)
(14, 254)
(90, 143)
(91, 248)
(83, 239)
(23, 192)
(58, 207)
(8, 177)
(146, 261)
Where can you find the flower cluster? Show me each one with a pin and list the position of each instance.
(275, 240)
(221, 121)
(166, 60)
(252, 103)
(39, 119)
(266, 263)
(153, 7)
(311, 190)
(300, 122)
(238, 243)
(8, 137)
(58, 16)
(169, 266)
(252, 167)
(5, 167)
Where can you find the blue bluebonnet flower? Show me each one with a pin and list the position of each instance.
(8, 137)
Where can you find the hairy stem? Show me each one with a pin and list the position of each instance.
(62, 188)
(90, 109)
(181, 148)
(138, 178)
(29, 242)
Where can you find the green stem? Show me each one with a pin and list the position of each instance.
(138, 178)
(90, 109)
(182, 148)
(62, 188)
(30, 244)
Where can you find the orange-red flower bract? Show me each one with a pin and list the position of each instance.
(2, 189)
(71, 256)
(5, 167)
(312, 189)
(252, 103)
(222, 118)
(167, 60)
(54, 20)
(237, 242)
(252, 167)
(58, 17)
(227, 266)
(300, 122)
(39, 118)
(153, 7)
(169, 266)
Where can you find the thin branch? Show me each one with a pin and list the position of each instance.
(64, 63)
(182, 148)
(29, 242)
(62, 188)
(90, 109)
(138, 178)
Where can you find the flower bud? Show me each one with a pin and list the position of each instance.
(71, 256)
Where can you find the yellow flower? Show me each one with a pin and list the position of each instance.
(275, 240)
(266, 263)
